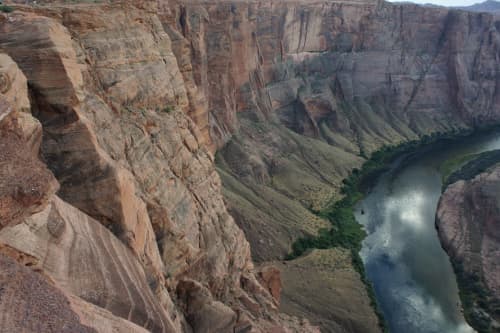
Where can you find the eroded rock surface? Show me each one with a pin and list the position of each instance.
(468, 221)
(299, 93)
(139, 207)
(134, 98)
(31, 304)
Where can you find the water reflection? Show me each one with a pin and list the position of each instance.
(412, 276)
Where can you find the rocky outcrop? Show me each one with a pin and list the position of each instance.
(468, 222)
(86, 260)
(26, 183)
(13, 85)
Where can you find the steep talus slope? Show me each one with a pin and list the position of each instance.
(340, 302)
(138, 229)
(468, 223)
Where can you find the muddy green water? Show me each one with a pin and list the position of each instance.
(413, 279)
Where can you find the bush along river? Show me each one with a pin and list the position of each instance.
(386, 219)
(412, 276)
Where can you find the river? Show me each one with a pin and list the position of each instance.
(412, 276)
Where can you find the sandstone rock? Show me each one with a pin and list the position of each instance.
(13, 84)
(101, 320)
(128, 162)
(26, 184)
(202, 312)
(467, 220)
(270, 277)
(30, 303)
(89, 178)
(53, 70)
(49, 309)
(86, 260)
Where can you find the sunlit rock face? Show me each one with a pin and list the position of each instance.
(468, 223)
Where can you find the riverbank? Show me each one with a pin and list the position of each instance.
(345, 231)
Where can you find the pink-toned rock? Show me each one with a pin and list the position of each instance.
(26, 184)
(128, 161)
(100, 319)
(13, 84)
(30, 303)
(86, 260)
(270, 277)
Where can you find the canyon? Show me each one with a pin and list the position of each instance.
(159, 158)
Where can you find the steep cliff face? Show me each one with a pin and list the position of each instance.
(468, 223)
(138, 236)
(132, 99)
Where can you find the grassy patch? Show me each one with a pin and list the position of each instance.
(345, 231)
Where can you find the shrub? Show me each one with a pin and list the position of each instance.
(6, 9)
(168, 109)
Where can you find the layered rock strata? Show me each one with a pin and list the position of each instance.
(134, 99)
(137, 236)
(300, 93)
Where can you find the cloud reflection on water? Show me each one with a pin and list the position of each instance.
(401, 225)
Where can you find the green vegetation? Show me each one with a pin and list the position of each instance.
(473, 166)
(477, 303)
(6, 9)
(451, 165)
(168, 109)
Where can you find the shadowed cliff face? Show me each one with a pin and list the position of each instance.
(299, 93)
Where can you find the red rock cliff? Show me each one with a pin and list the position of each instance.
(109, 191)
(138, 234)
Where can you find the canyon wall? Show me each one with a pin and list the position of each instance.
(300, 93)
(111, 113)
(108, 194)
(468, 222)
